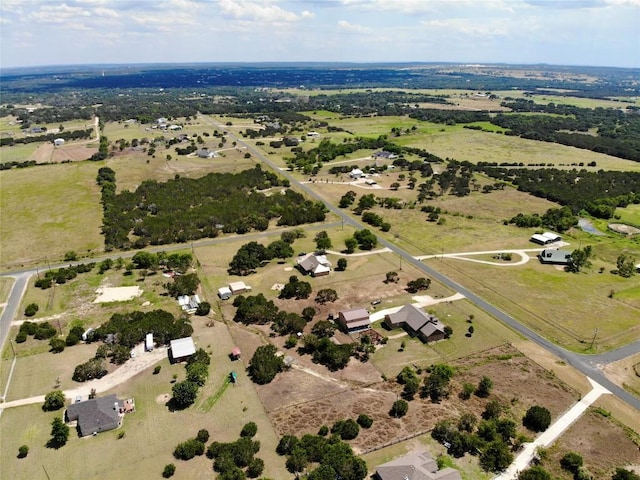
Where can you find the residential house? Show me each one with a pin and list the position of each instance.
(415, 466)
(354, 320)
(96, 415)
(555, 256)
(313, 264)
(426, 327)
(206, 153)
(384, 154)
(356, 173)
(181, 349)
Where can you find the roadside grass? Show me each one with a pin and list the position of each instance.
(629, 215)
(530, 293)
(152, 432)
(6, 284)
(488, 333)
(49, 210)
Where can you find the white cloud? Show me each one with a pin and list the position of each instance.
(105, 12)
(307, 14)
(352, 27)
(248, 10)
(465, 26)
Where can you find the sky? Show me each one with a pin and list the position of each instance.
(560, 32)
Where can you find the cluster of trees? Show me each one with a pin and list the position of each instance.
(89, 370)
(418, 285)
(183, 285)
(49, 137)
(180, 262)
(186, 392)
(331, 457)
(324, 351)
(186, 209)
(558, 219)
(365, 239)
(252, 255)
(625, 266)
(598, 193)
(62, 275)
(573, 463)
(295, 289)
(39, 330)
(376, 220)
(236, 460)
(194, 446)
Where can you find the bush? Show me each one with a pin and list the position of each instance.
(44, 331)
(249, 430)
(467, 391)
(324, 431)
(169, 470)
(23, 451)
(255, 468)
(203, 436)
(31, 310)
(571, 462)
(189, 449)
(484, 387)
(346, 429)
(534, 473)
(157, 369)
(203, 309)
(21, 337)
(537, 419)
(399, 408)
(57, 345)
(365, 421)
(53, 400)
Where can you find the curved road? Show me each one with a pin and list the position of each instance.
(584, 363)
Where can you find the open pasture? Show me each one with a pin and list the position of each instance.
(49, 210)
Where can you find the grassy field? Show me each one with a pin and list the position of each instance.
(48, 211)
(151, 433)
(20, 152)
(629, 215)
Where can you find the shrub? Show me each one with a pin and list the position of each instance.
(484, 387)
(23, 451)
(31, 310)
(203, 309)
(255, 468)
(249, 430)
(44, 331)
(189, 449)
(203, 436)
(571, 462)
(21, 337)
(169, 470)
(324, 431)
(57, 345)
(346, 429)
(53, 400)
(467, 391)
(534, 473)
(157, 369)
(537, 419)
(365, 421)
(399, 408)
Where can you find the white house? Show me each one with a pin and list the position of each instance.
(316, 265)
(356, 173)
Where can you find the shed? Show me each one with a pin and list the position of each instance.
(539, 239)
(553, 237)
(224, 293)
(181, 349)
(238, 287)
(58, 142)
(235, 353)
(148, 342)
(356, 173)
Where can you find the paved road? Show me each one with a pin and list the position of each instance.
(579, 362)
(13, 303)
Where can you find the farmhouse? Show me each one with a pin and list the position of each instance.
(427, 328)
(415, 466)
(545, 238)
(181, 349)
(354, 320)
(555, 256)
(316, 265)
(96, 415)
(58, 142)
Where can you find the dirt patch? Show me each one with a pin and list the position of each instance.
(603, 444)
(74, 153)
(624, 229)
(162, 399)
(300, 403)
(117, 294)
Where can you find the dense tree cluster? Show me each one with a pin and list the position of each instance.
(62, 275)
(331, 457)
(39, 330)
(265, 364)
(557, 219)
(186, 209)
(49, 137)
(296, 289)
(324, 351)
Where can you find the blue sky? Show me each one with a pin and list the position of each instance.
(569, 32)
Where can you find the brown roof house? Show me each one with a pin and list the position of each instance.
(415, 466)
(316, 265)
(426, 327)
(354, 320)
(96, 415)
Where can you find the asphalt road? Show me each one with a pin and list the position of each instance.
(584, 363)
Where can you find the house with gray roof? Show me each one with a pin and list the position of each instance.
(415, 322)
(555, 256)
(316, 265)
(415, 466)
(96, 415)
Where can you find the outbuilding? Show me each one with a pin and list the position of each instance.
(239, 287)
(58, 142)
(148, 342)
(181, 349)
(555, 256)
(354, 320)
(224, 293)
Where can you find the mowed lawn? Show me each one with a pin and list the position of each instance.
(49, 210)
(152, 432)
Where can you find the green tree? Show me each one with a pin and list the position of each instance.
(391, 277)
(467, 391)
(323, 329)
(626, 265)
(57, 345)
(184, 393)
(197, 373)
(249, 430)
(484, 387)
(535, 473)
(571, 462)
(286, 444)
(364, 420)
(255, 468)
(346, 429)
(265, 364)
(203, 435)
(308, 313)
(467, 422)
(183, 285)
(31, 309)
(203, 309)
(23, 451)
(418, 284)
(280, 249)
(537, 418)
(323, 242)
(297, 460)
(496, 457)
(189, 449)
(59, 433)
(436, 385)
(169, 470)
(623, 474)
(326, 295)
(399, 408)
(579, 259)
(366, 239)
(342, 264)
(350, 243)
(492, 410)
(53, 400)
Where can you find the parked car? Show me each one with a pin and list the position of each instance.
(377, 301)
